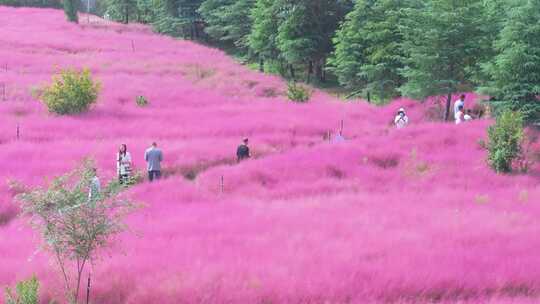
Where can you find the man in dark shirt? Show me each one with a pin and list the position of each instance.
(243, 151)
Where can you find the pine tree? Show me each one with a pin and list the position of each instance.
(262, 38)
(228, 20)
(442, 42)
(122, 10)
(368, 55)
(304, 36)
(190, 18)
(515, 72)
(70, 9)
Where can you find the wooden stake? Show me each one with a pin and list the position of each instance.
(222, 184)
(341, 127)
(18, 132)
(3, 91)
(88, 290)
(132, 46)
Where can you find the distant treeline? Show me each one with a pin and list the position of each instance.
(384, 48)
(32, 3)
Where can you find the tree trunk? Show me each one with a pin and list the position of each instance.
(291, 71)
(261, 64)
(321, 75)
(447, 109)
(127, 14)
(281, 68)
(309, 71)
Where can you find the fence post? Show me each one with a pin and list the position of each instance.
(341, 127)
(88, 290)
(3, 91)
(132, 45)
(18, 132)
(222, 185)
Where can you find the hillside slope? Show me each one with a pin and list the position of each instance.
(389, 216)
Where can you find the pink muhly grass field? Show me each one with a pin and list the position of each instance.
(389, 216)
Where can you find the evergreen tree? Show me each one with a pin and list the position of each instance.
(228, 20)
(262, 39)
(122, 10)
(70, 9)
(179, 18)
(190, 18)
(515, 72)
(368, 52)
(304, 36)
(442, 42)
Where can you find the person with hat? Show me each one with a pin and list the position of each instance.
(242, 152)
(401, 120)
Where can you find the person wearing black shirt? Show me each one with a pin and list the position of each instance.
(243, 151)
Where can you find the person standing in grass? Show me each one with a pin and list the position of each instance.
(459, 115)
(242, 152)
(95, 186)
(339, 138)
(123, 164)
(459, 103)
(401, 120)
(153, 157)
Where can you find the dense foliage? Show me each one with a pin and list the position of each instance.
(368, 53)
(514, 73)
(71, 92)
(443, 40)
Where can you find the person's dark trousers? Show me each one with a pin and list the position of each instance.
(154, 175)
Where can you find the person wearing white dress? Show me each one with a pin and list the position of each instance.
(123, 164)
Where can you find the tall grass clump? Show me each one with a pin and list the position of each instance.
(26, 292)
(298, 93)
(504, 141)
(71, 92)
(141, 101)
(74, 225)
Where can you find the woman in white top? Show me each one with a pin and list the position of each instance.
(401, 120)
(123, 164)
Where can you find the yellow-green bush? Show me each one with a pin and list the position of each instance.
(71, 92)
(298, 93)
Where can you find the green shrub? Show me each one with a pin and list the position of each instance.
(71, 92)
(141, 101)
(504, 141)
(298, 93)
(26, 292)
